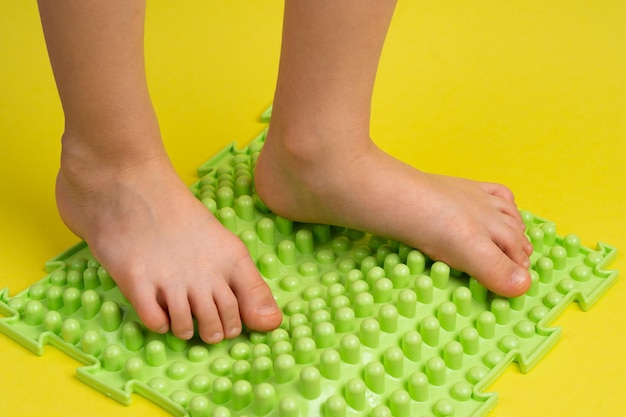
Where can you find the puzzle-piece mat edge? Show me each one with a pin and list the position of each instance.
(124, 396)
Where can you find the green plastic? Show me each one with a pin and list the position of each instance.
(371, 326)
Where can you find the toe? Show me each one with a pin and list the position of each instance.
(504, 201)
(513, 243)
(499, 273)
(150, 312)
(209, 322)
(225, 305)
(180, 313)
(228, 309)
(510, 209)
(528, 247)
(498, 190)
(516, 217)
(258, 309)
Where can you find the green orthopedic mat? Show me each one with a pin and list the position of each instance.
(371, 326)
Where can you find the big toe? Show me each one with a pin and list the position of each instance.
(150, 312)
(257, 306)
(499, 273)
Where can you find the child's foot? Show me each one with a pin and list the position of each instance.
(169, 256)
(472, 226)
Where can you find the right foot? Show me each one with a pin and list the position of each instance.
(168, 255)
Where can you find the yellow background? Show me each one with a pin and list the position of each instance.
(528, 93)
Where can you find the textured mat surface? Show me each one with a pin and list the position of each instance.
(371, 326)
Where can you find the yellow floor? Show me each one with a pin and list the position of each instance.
(531, 94)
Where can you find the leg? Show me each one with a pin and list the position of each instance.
(118, 190)
(319, 149)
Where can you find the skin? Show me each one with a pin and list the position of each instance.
(175, 262)
(320, 151)
(169, 256)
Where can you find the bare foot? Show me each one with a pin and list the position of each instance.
(472, 226)
(169, 256)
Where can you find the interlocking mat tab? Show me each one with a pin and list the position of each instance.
(371, 326)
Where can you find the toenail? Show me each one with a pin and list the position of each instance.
(267, 309)
(163, 329)
(216, 338)
(234, 332)
(519, 277)
(186, 335)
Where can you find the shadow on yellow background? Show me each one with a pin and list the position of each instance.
(531, 94)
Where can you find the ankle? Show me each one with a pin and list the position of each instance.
(309, 152)
(105, 157)
(314, 177)
(314, 135)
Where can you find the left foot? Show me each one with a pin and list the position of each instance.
(472, 226)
